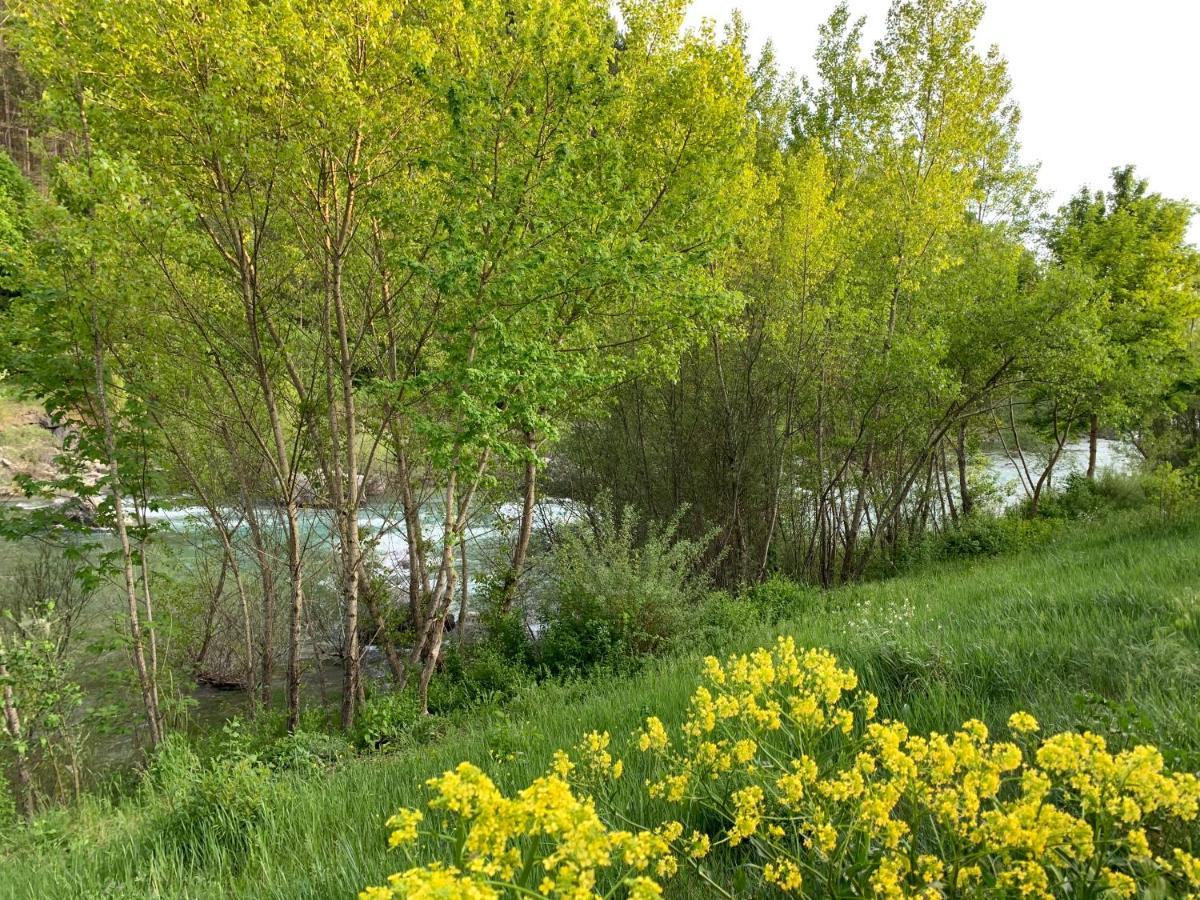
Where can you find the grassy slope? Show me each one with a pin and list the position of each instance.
(1094, 612)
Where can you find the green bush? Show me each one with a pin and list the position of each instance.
(506, 633)
(307, 751)
(387, 719)
(1172, 491)
(721, 614)
(475, 675)
(207, 810)
(621, 590)
(778, 598)
(174, 770)
(1120, 492)
(1081, 497)
(987, 535)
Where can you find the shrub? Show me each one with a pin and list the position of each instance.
(619, 591)
(507, 634)
(779, 598)
(476, 674)
(174, 770)
(1081, 497)
(1119, 491)
(1172, 491)
(720, 615)
(986, 535)
(386, 719)
(307, 751)
(782, 768)
(207, 809)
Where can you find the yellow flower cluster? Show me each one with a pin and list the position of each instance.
(598, 762)
(432, 882)
(781, 746)
(544, 840)
(782, 758)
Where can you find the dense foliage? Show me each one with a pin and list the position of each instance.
(357, 284)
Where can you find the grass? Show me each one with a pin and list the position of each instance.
(1097, 628)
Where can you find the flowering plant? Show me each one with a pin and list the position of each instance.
(783, 762)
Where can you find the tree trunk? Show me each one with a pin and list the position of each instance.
(944, 483)
(151, 636)
(965, 500)
(1060, 441)
(267, 577)
(295, 614)
(210, 616)
(395, 663)
(144, 674)
(418, 582)
(1093, 440)
(521, 550)
(855, 522)
(12, 724)
(348, 486)
(465, 595)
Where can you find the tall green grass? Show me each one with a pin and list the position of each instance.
(1097, 628)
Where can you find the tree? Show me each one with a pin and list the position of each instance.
(1133, 244)
(407, 231)
(879, 272)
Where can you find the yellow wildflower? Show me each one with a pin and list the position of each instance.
(1119, 883)
(698, 845)
(653, 736)
(1023, 723)
(404, 827)
(784, 874)
(643, 888)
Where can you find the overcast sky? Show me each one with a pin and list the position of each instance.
(1100, 83)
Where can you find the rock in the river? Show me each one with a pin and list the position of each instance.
(82, 511)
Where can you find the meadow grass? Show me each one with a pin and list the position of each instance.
(1097, 628)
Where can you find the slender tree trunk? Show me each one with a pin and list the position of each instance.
(434, 613)
(525, 531)
(266, 573)
(435, 646)
(465, 595)
(151, 636)
(966, 501)
(1060, 441)
(144, 674)
(295, 614)
(210, 616)
(855, 522)
(286, 480)
(427, 647)
(1093, 441)
(12, 724)
(347, 429)
(418, 580)
(247, 629)
(230, 562)
(945, 482)
(394, 661)
(244, 605)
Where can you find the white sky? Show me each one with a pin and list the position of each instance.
(1100, 83)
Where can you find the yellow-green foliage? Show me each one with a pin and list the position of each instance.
(782, 762)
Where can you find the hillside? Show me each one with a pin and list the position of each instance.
(27, 446)
(1097, 629)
